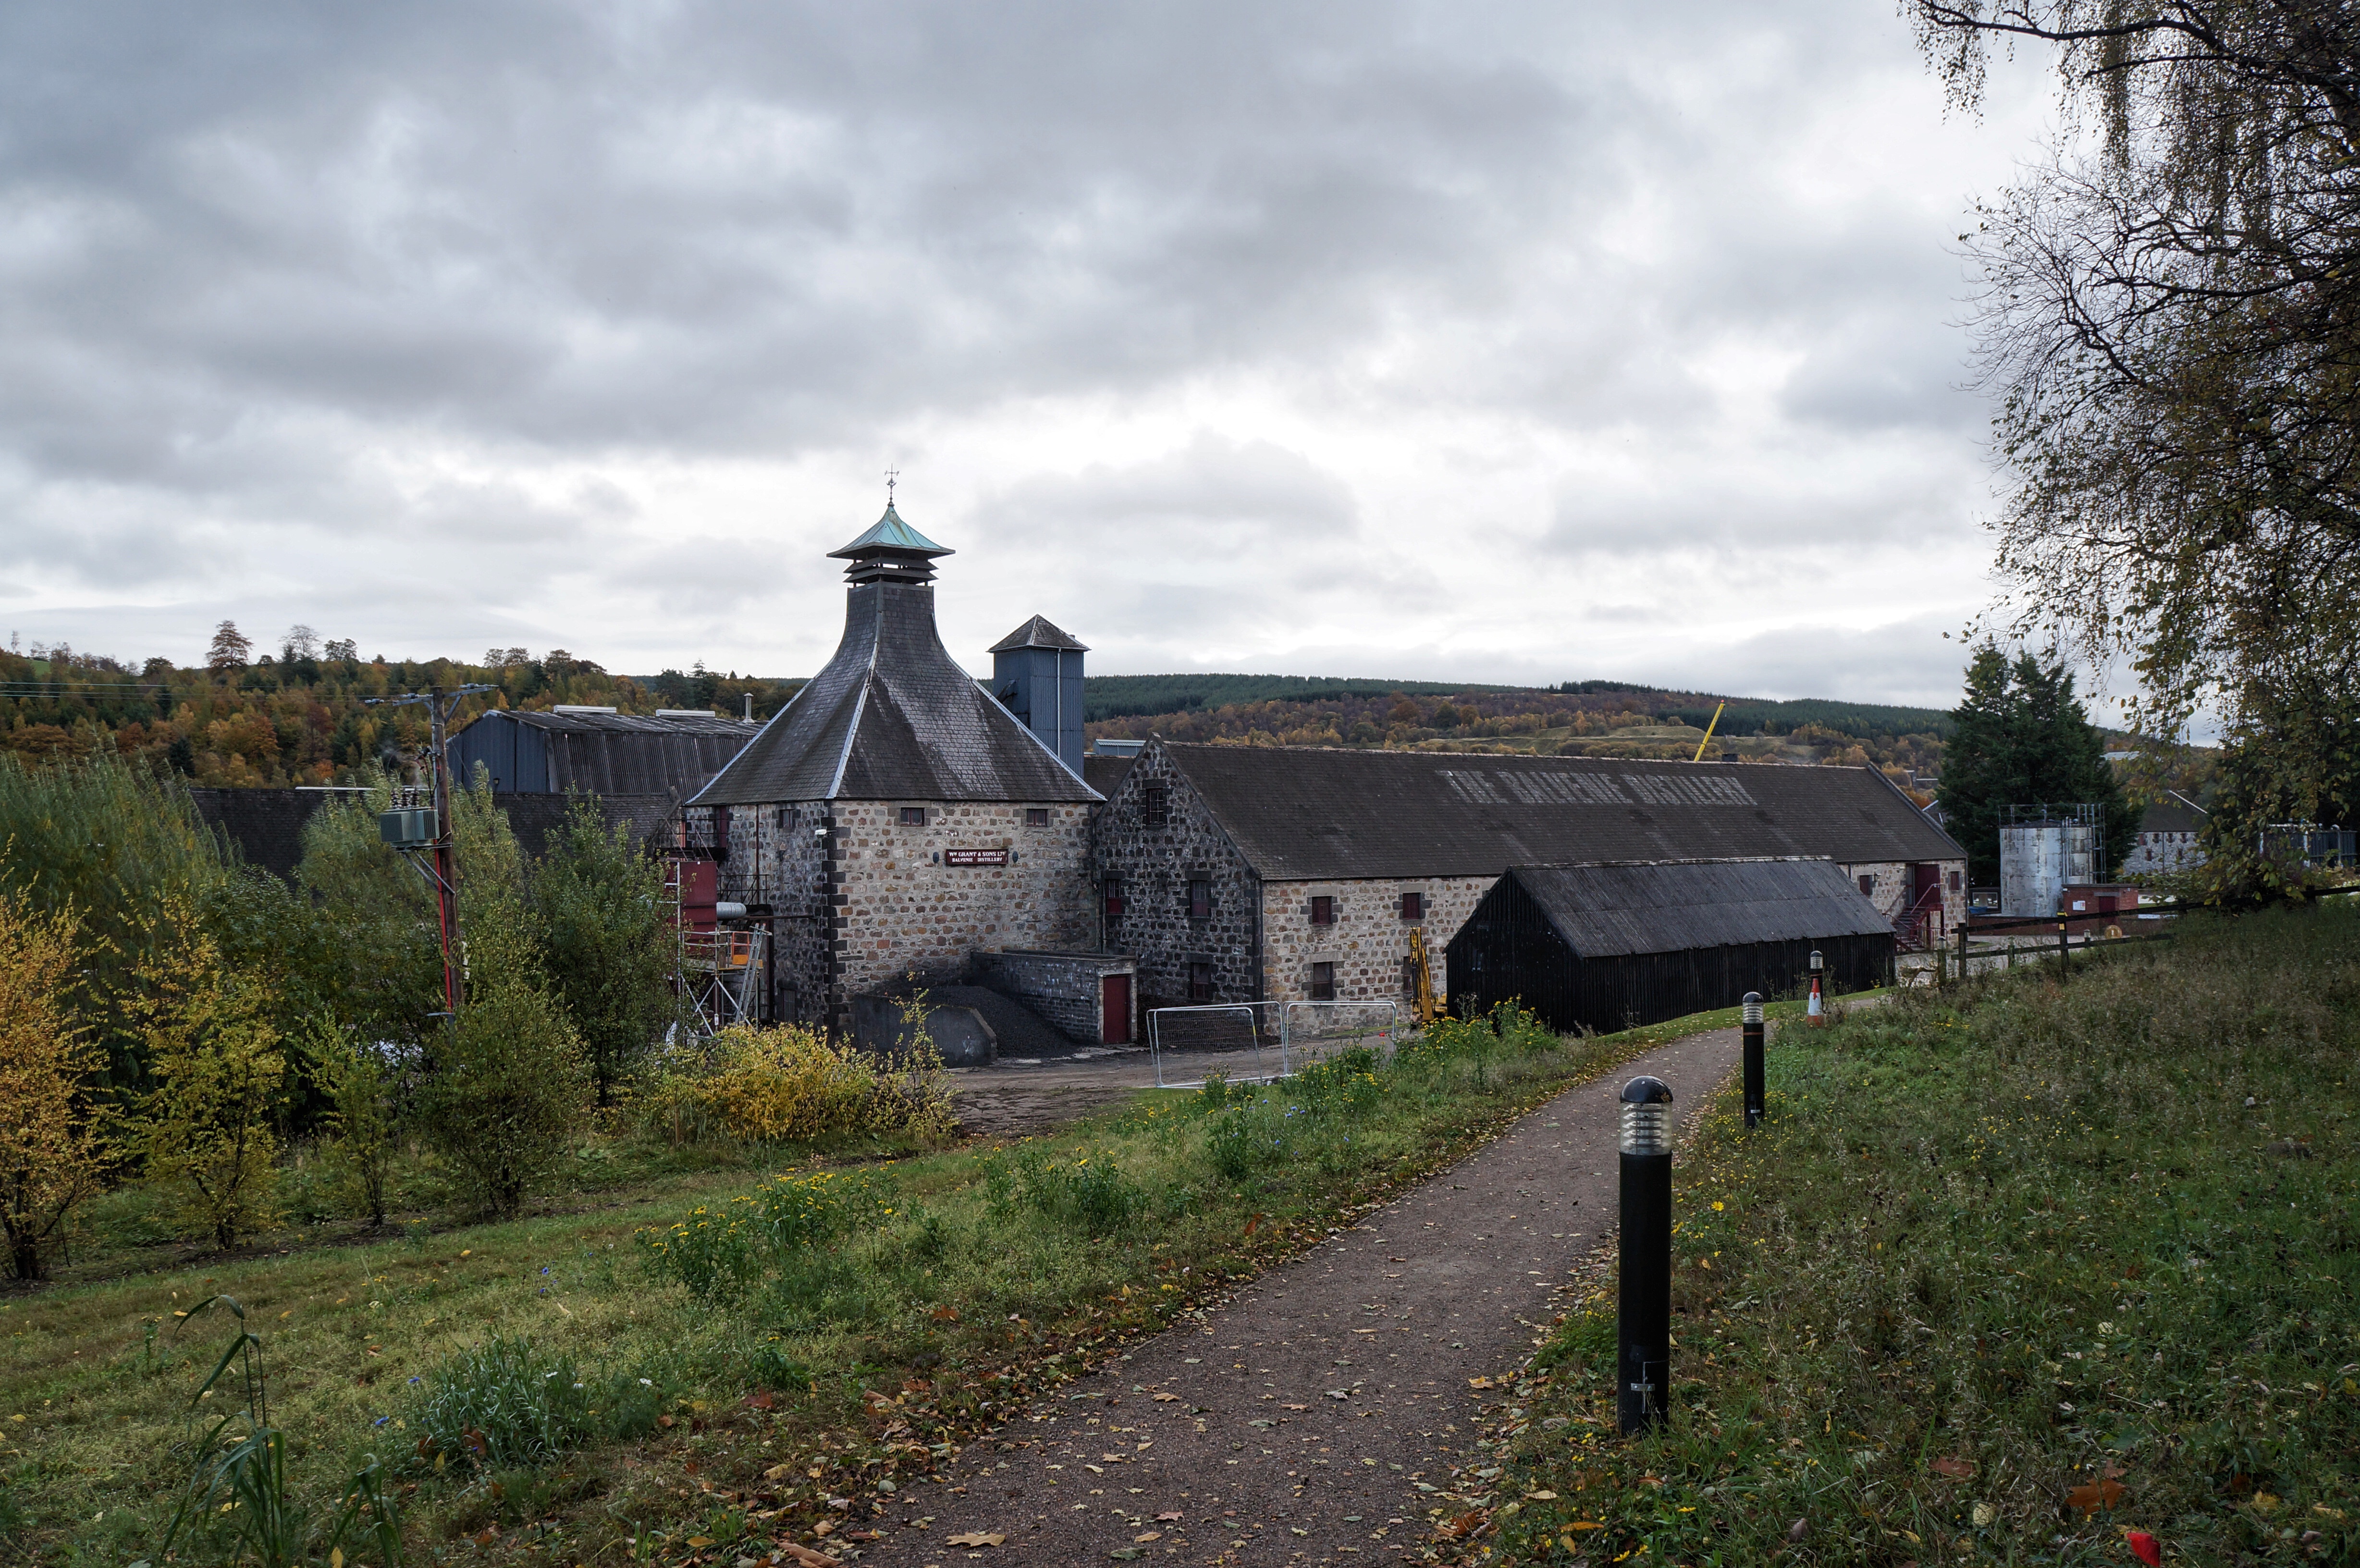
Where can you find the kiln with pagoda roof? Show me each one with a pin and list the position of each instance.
(895, 819)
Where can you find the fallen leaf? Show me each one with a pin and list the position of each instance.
(975, 1537)
(485, 1535)
(697, 1541)
(779, 1472)
(1167, 1399)
(2149, 1550)
(2264, 1503)
(1151, 1535)
(1585, 1524)
(1128, 1553)
(760, 1400)
(2102, 1493)
(1340, 1393)
(1540, 1497)
(1478, 1382)
(1172, 1517)
(945, 1314)
(806, 1556)
(1955, 1468)
(666, 1423)
(1294, 1407)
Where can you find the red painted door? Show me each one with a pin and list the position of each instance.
(1927, 893)
(1114, 1009)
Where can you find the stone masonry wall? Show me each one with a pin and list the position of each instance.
(1892, 883)
(1062, 987)
(775, 858)
(1369, 942)
(1155, 866)
(899, 908)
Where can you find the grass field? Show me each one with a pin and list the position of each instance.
(2010, 1271)
(555, 1390)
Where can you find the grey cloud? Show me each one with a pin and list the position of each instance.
(1251, 492)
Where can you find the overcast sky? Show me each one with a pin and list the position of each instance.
(1484, 342)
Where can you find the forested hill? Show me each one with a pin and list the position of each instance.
(1600, 717)
(301, 716)
(1145, 696)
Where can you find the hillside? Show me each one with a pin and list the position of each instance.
(1586, 718)
(302, 716)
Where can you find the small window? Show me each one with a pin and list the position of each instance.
(1323, 982)
(1200, 899)
(1036, 816)
(1112, 888)
(785, 817)
(914, 816)
(1323, 911)
(1155, 805)
(1200, 981)
(1412, 906)
(1954, 881)
(1867, 886)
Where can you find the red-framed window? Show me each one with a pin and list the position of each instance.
(1111, 887)
(1200, 981)
(1323, 982)
(1200, 898)
(1323, 911)
(1412, 906)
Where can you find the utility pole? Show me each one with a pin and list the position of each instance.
(445, 875)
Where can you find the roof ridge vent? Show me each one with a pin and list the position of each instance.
(580, 708)
(682, 713)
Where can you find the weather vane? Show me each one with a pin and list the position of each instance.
(891, 476)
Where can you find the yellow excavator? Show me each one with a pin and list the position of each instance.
(1421, 977)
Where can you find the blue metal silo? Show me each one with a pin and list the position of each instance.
(1036, 670)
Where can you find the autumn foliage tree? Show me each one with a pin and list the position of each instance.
(207, 1131)
(53, 1129)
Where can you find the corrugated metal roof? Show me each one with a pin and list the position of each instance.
(600, 754)
(1603, 910)
(892, 717)
(1306, 814)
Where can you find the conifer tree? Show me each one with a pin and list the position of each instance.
(2024, 738)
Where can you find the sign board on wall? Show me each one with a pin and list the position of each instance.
(975, 857)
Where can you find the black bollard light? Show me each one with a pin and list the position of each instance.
(1753, 1088)
(1643, 1315)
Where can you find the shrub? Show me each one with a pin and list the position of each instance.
(206, 1131)
(790, 1084)
(506, 1402)
(719, 1252)
(53, 1136)
(1090, 1193)
(358, 1082)
(610, 949)
(505, 1098)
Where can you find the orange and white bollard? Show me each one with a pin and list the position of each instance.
(1816, 1011)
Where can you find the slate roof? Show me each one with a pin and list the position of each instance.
(1301, 814)
(892, 717)
(2171, 817)
(1104, 773)
(1039, 632)
(1605, 910)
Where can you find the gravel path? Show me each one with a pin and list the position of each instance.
(1292, 1425)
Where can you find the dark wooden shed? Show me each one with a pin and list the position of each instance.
(1607, 946)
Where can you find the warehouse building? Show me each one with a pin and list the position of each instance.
(1606, 947)
(596, 751)
(1263, 874)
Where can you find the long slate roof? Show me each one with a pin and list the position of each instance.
(1678, 906)
(1301, 814)
(599, 754)
(892, 717)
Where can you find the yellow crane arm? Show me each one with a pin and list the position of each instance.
(1707, 735)
(1422, 979)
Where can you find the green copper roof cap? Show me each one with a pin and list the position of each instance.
(890, 533)
(892, 551)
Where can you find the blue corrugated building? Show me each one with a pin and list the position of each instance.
(597, 750)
